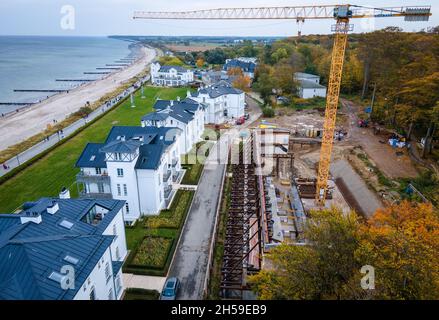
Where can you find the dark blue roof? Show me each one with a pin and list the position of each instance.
(180, 110)
(244, 66)
(30, 252)
(91, 157)
(152, 144)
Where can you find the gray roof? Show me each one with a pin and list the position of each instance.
(219, 89)
(243, 65)
(305, 84)
(178, 68)
(30, 252)
(305, 75)
(121, 146)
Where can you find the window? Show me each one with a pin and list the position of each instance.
(114, 230)
(117, 253)
(159, 179)
(101, 187)
(107, 272)
(172, 121)
(127, 207)
(117, 285)
(118, 190)
(120, 172)
(125, 190)
(98, 170)
(92, 294)
(119, 156)
(110, 294)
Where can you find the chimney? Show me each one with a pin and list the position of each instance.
(53, 208)
(188, 94)
(178, 98)
(172, 103)
(64, 194)
(29, 216)
(122, 138)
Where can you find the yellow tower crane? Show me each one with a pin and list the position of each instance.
(342, 15)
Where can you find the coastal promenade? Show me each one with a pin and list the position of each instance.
(33, 120)
(66, 132)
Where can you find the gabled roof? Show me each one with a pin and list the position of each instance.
(183, 110)
(305, 75)
(30, 252)
(305, 84)
(91, 157)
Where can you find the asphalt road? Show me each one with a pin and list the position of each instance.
(192, 254)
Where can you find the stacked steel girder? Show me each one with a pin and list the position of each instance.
(242, 244)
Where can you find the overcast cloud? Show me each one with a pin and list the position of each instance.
(114, 17)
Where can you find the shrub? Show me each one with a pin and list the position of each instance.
(152, 252)
(172, 218)
(268, 112)
(141, 294)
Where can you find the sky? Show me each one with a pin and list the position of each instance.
(114, 17)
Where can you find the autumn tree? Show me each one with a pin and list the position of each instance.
(236, 71)
(401, 243)
(200, 63)
(242, 82)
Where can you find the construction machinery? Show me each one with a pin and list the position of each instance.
(342, 14)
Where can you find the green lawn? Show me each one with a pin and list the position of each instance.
(152, 242)
(47, 176)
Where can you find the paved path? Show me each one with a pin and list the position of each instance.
(55, 138)
(366, 199)
(143, 282)
(191, 260)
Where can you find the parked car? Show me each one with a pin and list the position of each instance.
(170, 289)
(240, 121)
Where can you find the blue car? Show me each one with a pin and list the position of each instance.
(170, 289)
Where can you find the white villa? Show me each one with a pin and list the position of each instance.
(170, 76)
(187, 115)
(309, 85)
(223, 102)
(139, 165)
(63, 249)
(246, 64)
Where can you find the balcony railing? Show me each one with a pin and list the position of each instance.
(166, 175)
(83, 177)
(103, 195)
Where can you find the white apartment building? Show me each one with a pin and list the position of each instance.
(170, 76)
(223, 102)
(309, 85)
(139, 165)
(187, 115)
(63, 249)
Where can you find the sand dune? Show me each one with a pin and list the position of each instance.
(26, 123)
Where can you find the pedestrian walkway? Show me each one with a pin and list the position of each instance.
(53, 139)
(143, 282)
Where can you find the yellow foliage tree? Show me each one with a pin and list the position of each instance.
(200, 63)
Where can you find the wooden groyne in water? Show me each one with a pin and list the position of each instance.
(74, 80)
(41, 90)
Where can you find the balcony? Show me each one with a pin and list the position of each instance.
(166, 176)
(84, 178)
(85, 195)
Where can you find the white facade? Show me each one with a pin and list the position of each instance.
(102, 283)
(170, 76)
(146, 189)
(223, 103)
(192, 130)
(309, 86)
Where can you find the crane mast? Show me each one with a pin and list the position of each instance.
(342, 14)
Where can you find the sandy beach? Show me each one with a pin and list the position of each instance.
(31, 121)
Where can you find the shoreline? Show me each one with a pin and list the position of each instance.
(20, 126)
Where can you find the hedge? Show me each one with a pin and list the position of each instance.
(141, 294)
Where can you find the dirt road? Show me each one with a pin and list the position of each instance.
(377, 147)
